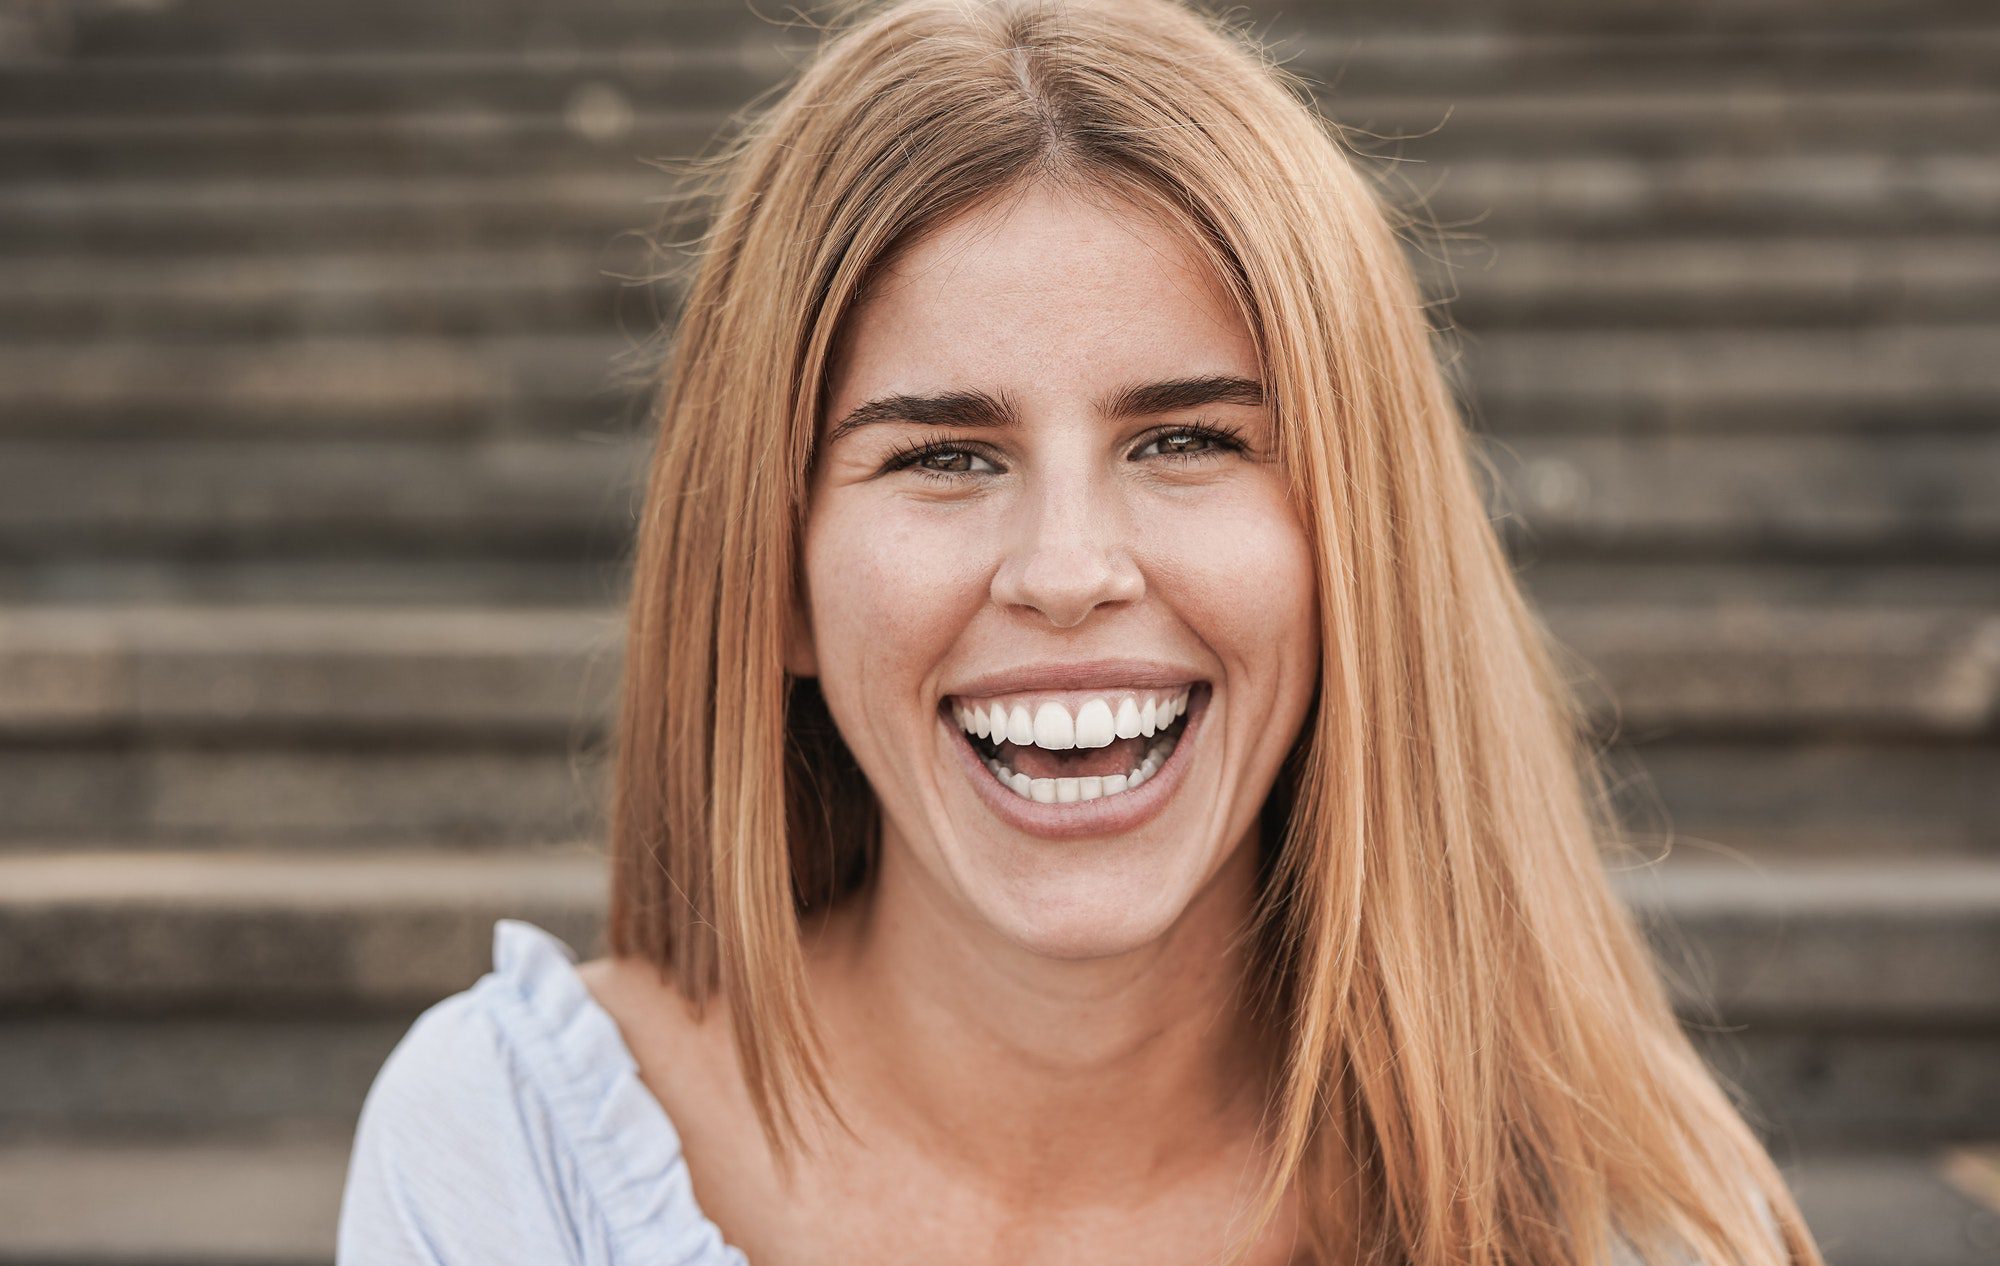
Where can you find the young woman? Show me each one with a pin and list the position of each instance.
(1088, 787)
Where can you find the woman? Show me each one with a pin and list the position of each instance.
(1088, 787)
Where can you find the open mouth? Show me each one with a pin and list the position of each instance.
(1070, 751)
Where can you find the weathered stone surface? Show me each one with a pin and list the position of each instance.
(221, 1202)
(1821, 670)
(131, 1076)
(165, 932)
(467, 671)
(1792, 943)
(1837, 942)
(362, 793)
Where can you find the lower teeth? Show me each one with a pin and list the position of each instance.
(1066, 790)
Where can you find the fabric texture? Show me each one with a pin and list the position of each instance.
(509, 1127)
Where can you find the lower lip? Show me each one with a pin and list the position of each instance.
(1106, 815)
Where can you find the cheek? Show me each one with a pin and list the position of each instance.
(1240, 571)
(890, 587)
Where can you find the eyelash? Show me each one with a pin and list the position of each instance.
(906, 456)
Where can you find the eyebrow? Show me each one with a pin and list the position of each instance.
(974, 409)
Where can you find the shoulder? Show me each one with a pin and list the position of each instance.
(507, 1127)
(454, 1159)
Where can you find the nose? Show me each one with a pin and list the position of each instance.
(1067, 553)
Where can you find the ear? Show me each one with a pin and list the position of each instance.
(801, 657)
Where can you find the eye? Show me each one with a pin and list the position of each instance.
(937, 459)
(1194, 441)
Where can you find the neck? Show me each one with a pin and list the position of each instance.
(1039, 1078)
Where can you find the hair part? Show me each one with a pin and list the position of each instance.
(1481, 1064)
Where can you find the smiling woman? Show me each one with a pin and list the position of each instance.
(1088, 787)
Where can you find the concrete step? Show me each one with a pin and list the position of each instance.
(81, 1075)
(471, 672)
(229, 1200)
(495, 672)
(1820, 496)
(692, 73)
(1932, 584)
(136, 984)
(217, 1201)
(249, 933)
(383, 580)
(103, 28)
(76, 1075)
(1812, 730)
(1729, 377)
(405, 581)
(1885, 194)
(601, 130)
(526, 497)
(1881, 497)
(1818, 282)
(1813, 281)
(1742, 381)
(243, 929)
(443, 142)
(245, 299)
(679, 61)
(176, 216)
(377, 386)
(1772, 796)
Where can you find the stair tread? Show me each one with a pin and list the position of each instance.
(1920, 669)
(1793, 941)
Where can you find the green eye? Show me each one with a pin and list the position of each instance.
(1194, 441)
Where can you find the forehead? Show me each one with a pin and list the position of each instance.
(1041, 287)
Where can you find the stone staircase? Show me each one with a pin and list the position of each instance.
(319, 328)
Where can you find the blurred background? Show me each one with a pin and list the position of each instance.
(319, 445)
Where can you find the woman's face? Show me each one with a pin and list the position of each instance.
(1111, 608)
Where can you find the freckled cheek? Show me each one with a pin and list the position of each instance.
(1241, 574)
(890, 592)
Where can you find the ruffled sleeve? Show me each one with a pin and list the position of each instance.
(510, 1126)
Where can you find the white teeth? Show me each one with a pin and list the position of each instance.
(1128, 718)
(1071, 790)
(1094, 726)
(1053, 728)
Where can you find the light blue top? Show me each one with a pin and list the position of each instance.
(509, 1127)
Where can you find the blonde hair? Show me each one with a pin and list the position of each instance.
(1467, 1012)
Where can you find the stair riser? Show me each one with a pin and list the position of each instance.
(1775, 797)
(1815, 284)
(1577, 199)
(85, 1077)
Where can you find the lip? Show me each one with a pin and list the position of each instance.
(1086, 674)
(1107, 815)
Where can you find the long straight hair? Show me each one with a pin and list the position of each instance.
(1475, 1037)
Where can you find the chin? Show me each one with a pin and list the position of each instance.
(1074, 917)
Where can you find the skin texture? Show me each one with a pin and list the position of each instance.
(1040, 1042)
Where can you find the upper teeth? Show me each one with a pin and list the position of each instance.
(1096, 722)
